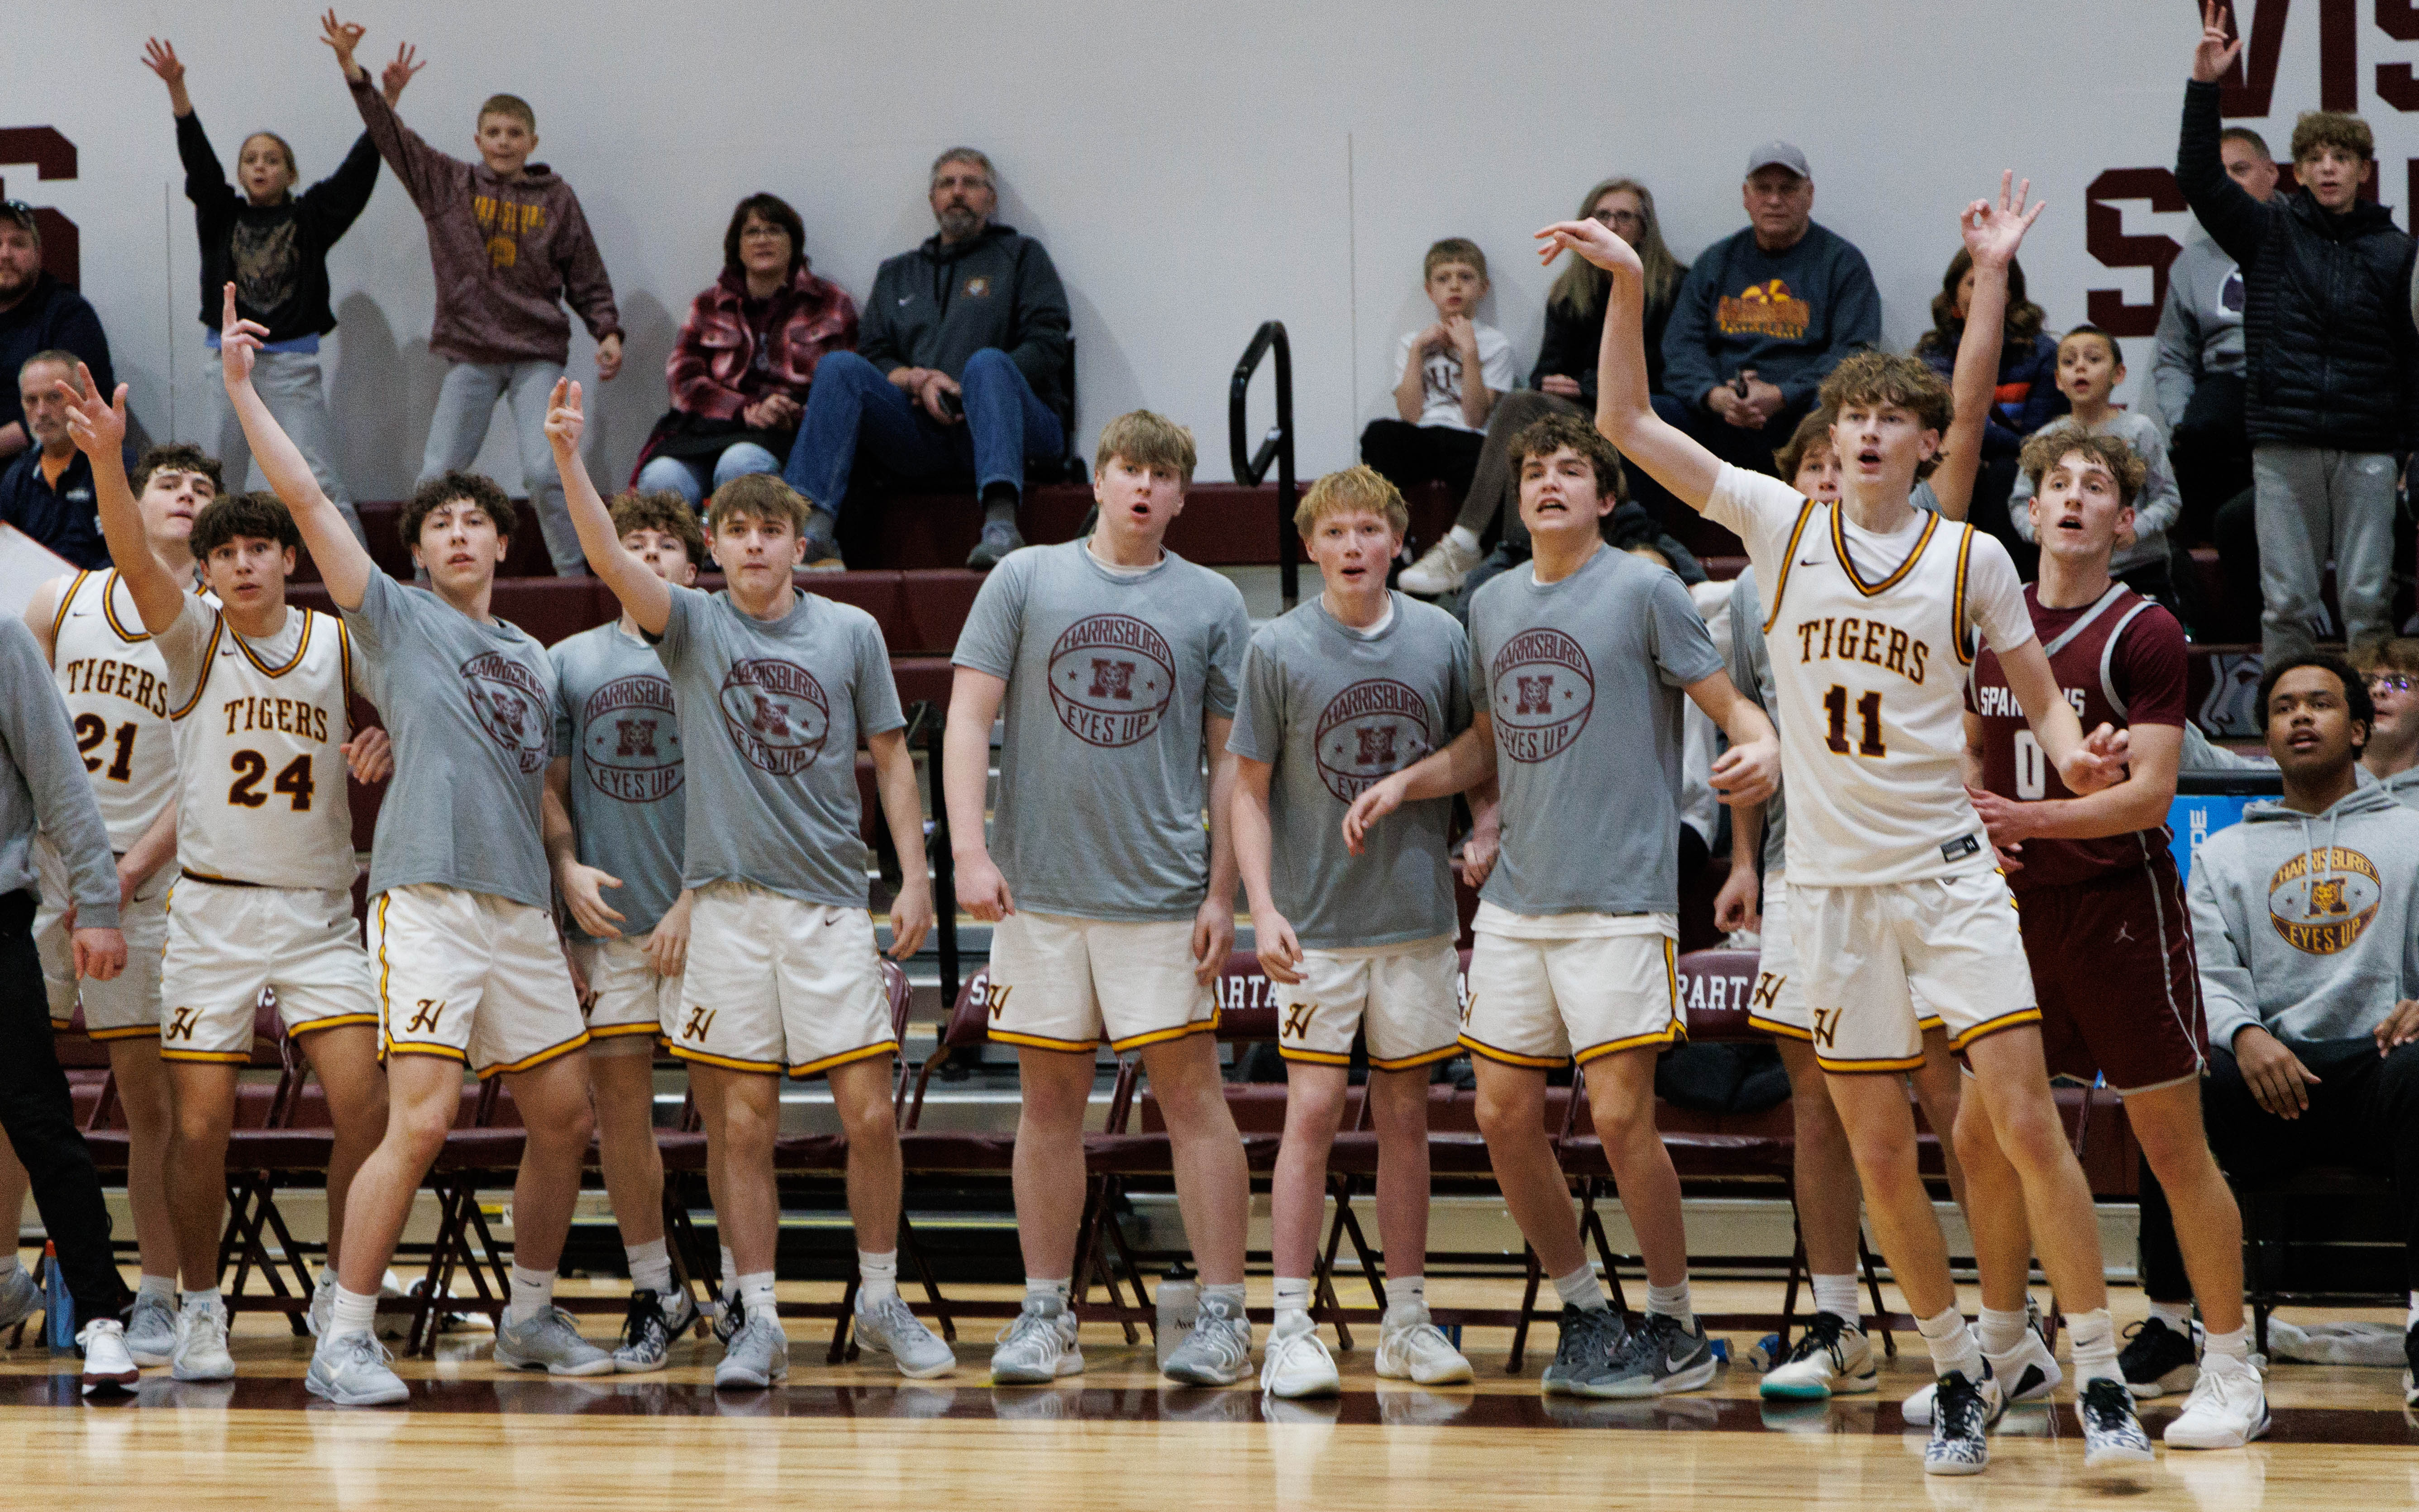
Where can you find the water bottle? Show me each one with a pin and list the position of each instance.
(59, 1308)
(1179, 1303)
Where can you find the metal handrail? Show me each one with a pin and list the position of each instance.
(1276, 446)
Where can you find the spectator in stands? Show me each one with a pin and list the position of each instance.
(747, 356)
(2197, 378)
(1564, 379)
(2332, 357)
(273, 245)
(2026, 395)
(1447, 377)
(2305, 924)
(1764, 317)
(47, 493)
(37, 312)
(509, 244)
(2392, 755)
(963, 368)
(2090, 369)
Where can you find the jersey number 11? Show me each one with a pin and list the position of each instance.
(1868, 718)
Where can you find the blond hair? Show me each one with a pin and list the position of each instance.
(1359, 486)
(1148, 439)
(756, 496)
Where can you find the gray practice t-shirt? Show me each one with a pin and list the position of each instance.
(613, 718)
(1750, 669)
(1109, 677)
(774, 710)
(1334, 709)
(470, 706)
(1583, 678)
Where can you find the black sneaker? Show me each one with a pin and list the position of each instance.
(1589, 1337)
(2157, 1359)
(647, 1331)
(1963, 1411)
(2410, 1367)
(2112, 1435)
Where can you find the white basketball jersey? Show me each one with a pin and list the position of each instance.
(116, 692)
(263, 776)
(1869, 659)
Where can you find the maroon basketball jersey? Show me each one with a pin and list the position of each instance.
(2119, 661)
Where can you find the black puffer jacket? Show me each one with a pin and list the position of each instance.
(2332, 356)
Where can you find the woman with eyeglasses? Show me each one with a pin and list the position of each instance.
(746, 356)
(1564, 379)
(272, 243)
(2392, 754)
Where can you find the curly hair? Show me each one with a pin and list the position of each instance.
(260, 517)
(1551, 434)
(476, 487)
(660, 509)
(177, 456)
(2051, 444)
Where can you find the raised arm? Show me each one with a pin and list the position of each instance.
(99, 426)
(2229, 212)
(966, 785)
(344, 562)
(648, 597)
(1625, 408)
(1993, 234)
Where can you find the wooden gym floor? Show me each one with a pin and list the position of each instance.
(858, 1437)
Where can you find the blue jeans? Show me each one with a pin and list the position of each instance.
(694, 478)
(852, 404)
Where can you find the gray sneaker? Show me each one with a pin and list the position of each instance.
(1038, 1346)
(1218, 1350)
(1662, 1354)
(20, 1298)
(893, 1330)
(757, 1356)
(551, 1340)
(354, 1370)
(999, 537)
(202, 1344)
(151, 1331)
(1590, 1336)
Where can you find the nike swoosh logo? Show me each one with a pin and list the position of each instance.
(78, 614)
(1675, 1362)
(1804, 562)
(904, 297)
(829, 922)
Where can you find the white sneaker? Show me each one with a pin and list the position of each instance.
(106, 1364)
(1410, 1347)
(1296, 1362)
(354, 1370)
(758, 1356)
(1218, 1350)
(201, 1351)
(1831, 1358)
(893, 1329)
(2227, 1410)
(1037, 1346)
(2027, 1373)
(1442, 569)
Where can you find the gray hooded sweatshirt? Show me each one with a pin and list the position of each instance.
(2403, 784)
(2307, 925)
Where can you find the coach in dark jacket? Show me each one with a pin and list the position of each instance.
(2331, 361)
(960, 367)
(37, 312)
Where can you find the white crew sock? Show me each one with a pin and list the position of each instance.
(730, 1270)
(2235, 1346)
(2091, 1341)
(1293, 1296)
(533, 1293)
(877, 1278)
(650, 1267)
(1464, 537)
(1669, 1302)
(756, 1296)
(203, 1298)
(1837, 1295)
(11, 1264)
(1581, 1290)
(353, 1313)
(1231, 1292)
(1952, 1344)
(2001, 1328)
(163, 1288)
(2410, 1319)
(1406, 1295)
(1037, 1288)
(2176, 1315)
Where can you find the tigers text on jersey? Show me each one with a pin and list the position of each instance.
(1870, 639)
(261, 727)
(116, 692)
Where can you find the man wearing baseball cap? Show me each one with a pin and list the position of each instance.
(1765, 315)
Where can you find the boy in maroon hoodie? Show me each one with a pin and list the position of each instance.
(510, 246)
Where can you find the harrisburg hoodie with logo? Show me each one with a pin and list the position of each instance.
(2305, 924)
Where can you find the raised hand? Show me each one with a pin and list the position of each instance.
(1993, 232)
(2216, 52)
(1593, 241)
(161, 59)
(238, 343)
(98, 425)
(342, 36)
(566, 419)
(396, 74)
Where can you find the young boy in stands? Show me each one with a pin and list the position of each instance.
(1447, 377)
(2305, 921)
(1577, 670)
(2090, 368)
(1348, 688)
(2392, 755)
(470, 970)
(510, 246)
(613, 821)
(777, 687)
(1112, 903)
(265, 869)
(2111, 963)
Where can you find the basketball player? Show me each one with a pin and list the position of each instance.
(1893, 891)
(260, 695)
(1113, 904)
(116, 693)
(469, 971)
(614, 811)
(783, 975)
(2105, 914)
(1351, 686)
(1577, 672)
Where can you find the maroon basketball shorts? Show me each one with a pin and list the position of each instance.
(2113, 968)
